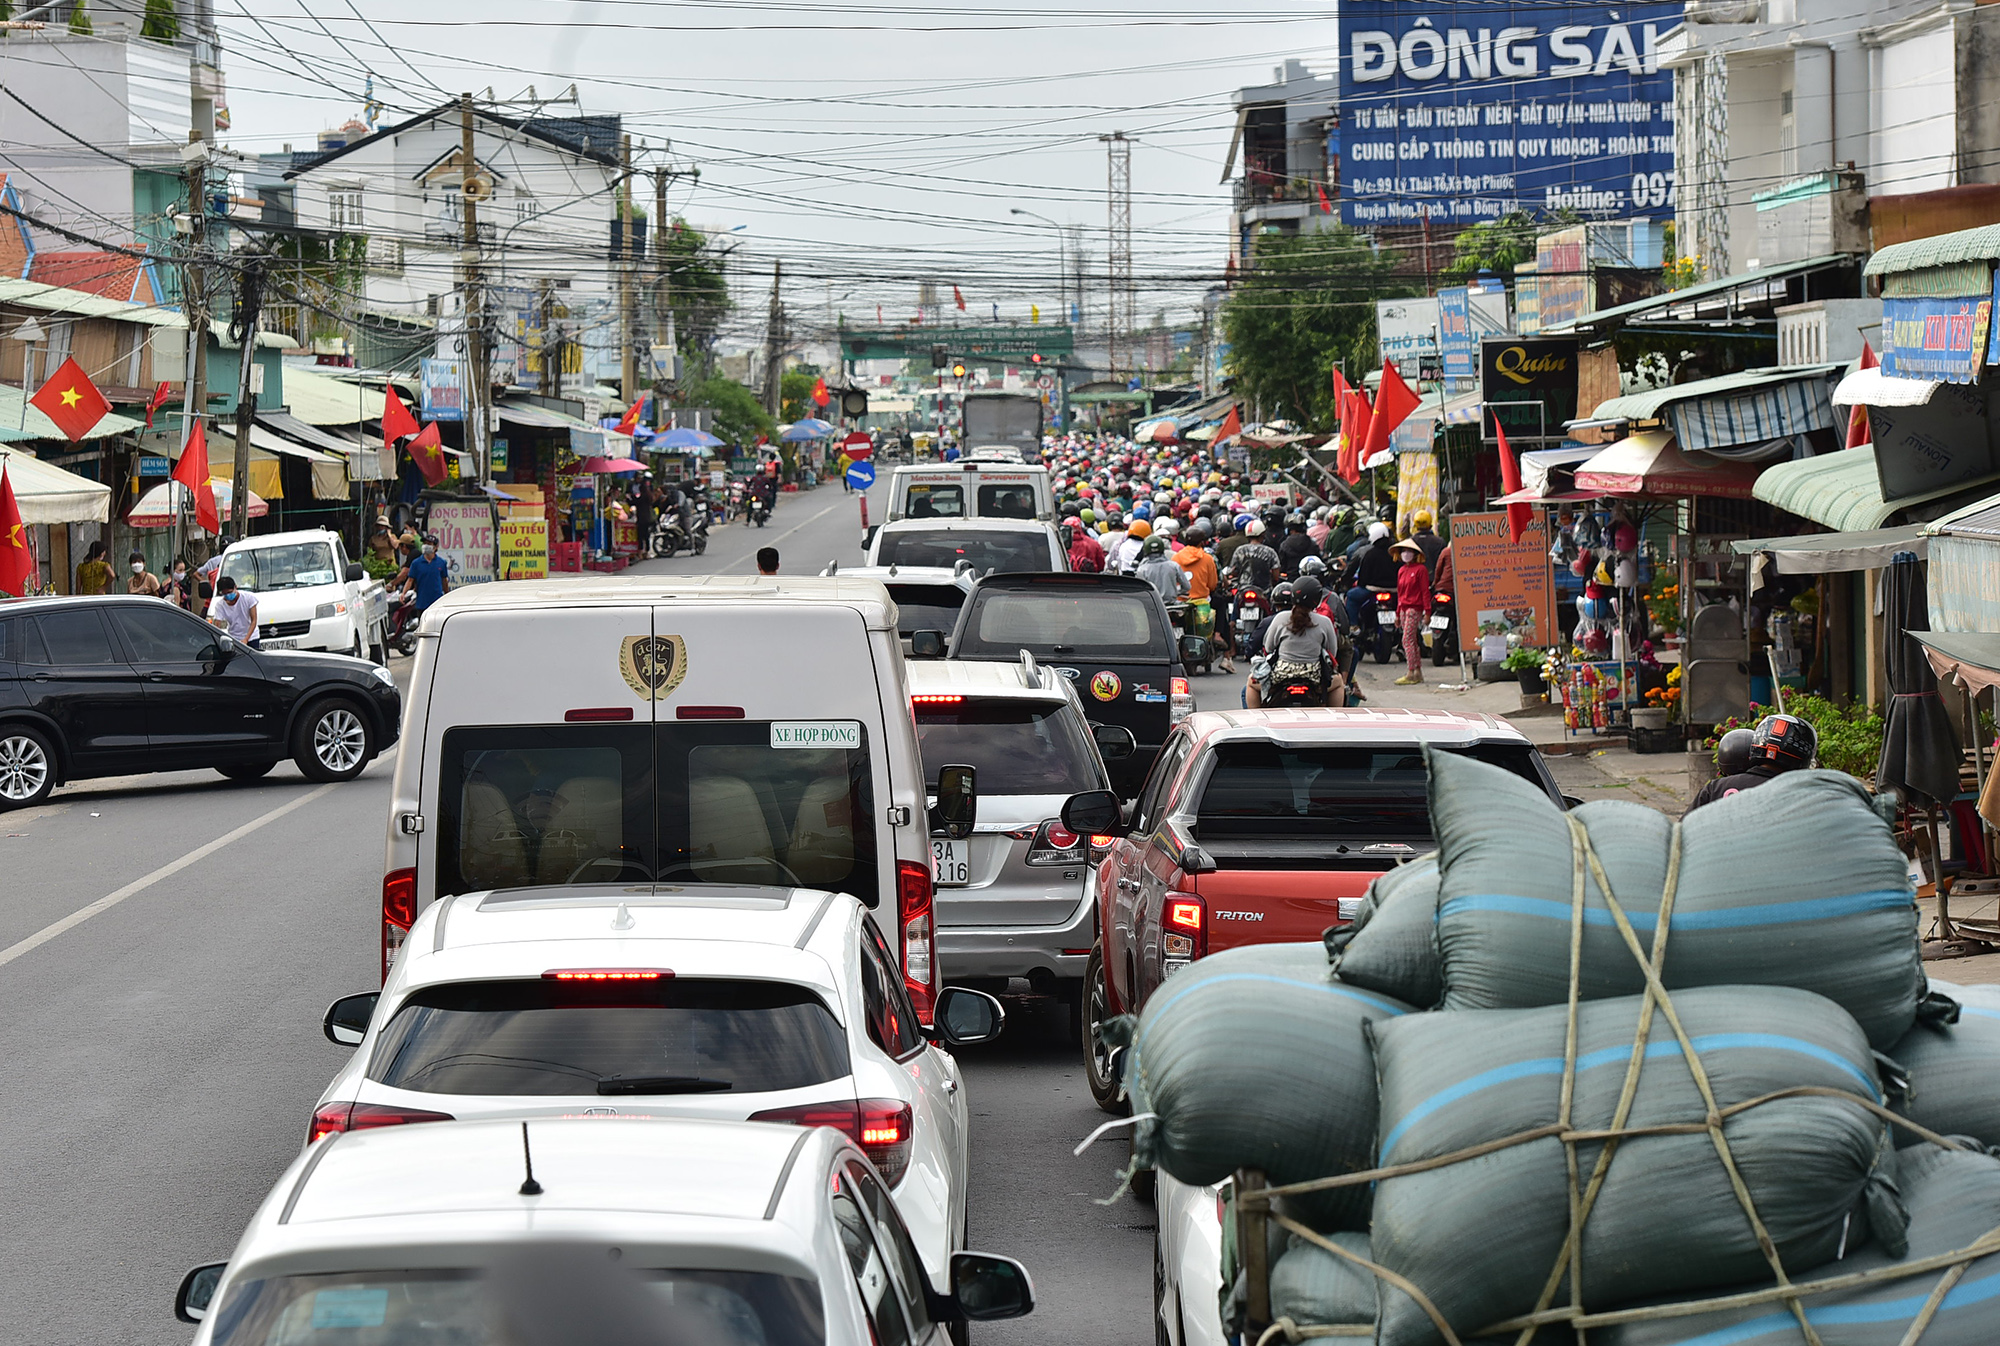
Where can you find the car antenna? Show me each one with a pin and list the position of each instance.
(529, 1187)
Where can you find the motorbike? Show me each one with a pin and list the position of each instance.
(1198, 654)
(1251, 605)
(1442, 632)
(685, 531)
(1290, 691)
(1381, 614)
(403, 622)
(760, 511)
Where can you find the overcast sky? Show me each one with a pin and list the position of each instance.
(867, 143)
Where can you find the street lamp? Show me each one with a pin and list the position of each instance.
(1062, 257)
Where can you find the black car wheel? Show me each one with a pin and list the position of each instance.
(333, 740)
(27, 767)
(247, 770)
(1097, 1065)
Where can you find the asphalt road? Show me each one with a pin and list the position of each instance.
(169, 943)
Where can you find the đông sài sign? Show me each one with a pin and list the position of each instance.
(1502, 587)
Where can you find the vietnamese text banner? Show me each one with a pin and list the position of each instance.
(1941, 339)
(1459, 111)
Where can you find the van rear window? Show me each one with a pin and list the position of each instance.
(1006, 551)
(1083, 623)
(1006, 502)
(537, 805)
(929, 501)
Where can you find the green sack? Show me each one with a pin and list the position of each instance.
(1392, 945)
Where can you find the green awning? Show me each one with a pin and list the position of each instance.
(1832, 553)
(19, 421)
(318, 399)
(1646, 406)
(1708, 289)
(1115, 395)
(1840, 490)
(1921, 254)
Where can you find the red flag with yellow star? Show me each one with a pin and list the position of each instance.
(72, 401)
(17, 559)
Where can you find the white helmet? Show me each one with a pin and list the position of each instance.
(1256, 528)
(1377, 531)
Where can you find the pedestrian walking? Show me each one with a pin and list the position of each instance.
(93, 573)
(429, 575)
(142, 581)
(1413, 606)
(234, 610)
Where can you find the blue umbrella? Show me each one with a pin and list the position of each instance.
(809, 428)
(683, 438)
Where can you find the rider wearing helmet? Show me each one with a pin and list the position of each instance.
(1254, 562)
(1301, 643)
(1781, 743)
(1124, 559)
(1158, 569)
(1732, 752)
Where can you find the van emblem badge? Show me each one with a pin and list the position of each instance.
(1105, 685)
(653, 665)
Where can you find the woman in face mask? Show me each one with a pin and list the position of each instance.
(142, 581)
(177, 585)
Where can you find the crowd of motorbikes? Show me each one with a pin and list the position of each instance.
(681, 522)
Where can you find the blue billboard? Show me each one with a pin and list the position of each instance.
(1459, 111)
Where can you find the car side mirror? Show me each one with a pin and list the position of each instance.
(868, 535)
(346, 1021)
(966, 1017)
(1114, 741)
(225, 648)
(927, 644)
(1193, 649)
(985, 1287)
(957, 807)
(1094, 813)
(355, 572)
(197, 1293)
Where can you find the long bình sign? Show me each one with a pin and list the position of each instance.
(1503, 587)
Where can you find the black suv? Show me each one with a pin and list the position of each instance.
(116, 685)
(1108, 634)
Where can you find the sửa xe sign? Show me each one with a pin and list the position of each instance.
(1456, 111)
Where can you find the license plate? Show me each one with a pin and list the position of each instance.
(280, 644)
(1386, 617)
(951, 863)
(1440, 623)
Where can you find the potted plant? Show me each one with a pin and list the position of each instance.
(1525, 663)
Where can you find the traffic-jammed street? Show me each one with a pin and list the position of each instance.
(164, 1043)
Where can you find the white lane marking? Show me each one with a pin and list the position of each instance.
(751, 559)
(168, 870)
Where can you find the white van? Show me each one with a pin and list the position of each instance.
(979, 489)
(309, 595)
(637, 731)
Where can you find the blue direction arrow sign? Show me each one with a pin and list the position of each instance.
(861, 476)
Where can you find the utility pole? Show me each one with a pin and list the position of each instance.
(663, 294)
(470, 188)
(249, 301)
(774, 337)
(194, 303)
(627, 307)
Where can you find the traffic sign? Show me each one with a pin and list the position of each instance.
(861, 476)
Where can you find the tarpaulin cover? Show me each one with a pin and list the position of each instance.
(1954, 1070)
(1919, 747)
(1481, 1236)
(1254, 1058)
(1313, 1287)
(1391, 945)
(1796, 883)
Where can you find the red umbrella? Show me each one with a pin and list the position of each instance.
(605, 466)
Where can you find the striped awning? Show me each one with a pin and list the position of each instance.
(1754, 415)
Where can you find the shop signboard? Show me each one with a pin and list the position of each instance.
(1939, 339)
(523, 548)
(496, 457)
(1458, 111)
(464, 530)
(1467, 316)
(1406, 331)
(154, 465)
(1530, 385)
(441, 389)
(1502, 587)
(1562, 276)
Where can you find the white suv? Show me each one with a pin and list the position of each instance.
(722, 1001)
(587, 1230)
(309, 595)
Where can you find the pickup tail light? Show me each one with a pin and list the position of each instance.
(1181, 700)
(914, 904)
(399, 913)
(1184, 931)
(880, 1126)
(1055, 844)
(366, 1117)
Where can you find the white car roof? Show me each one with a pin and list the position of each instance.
(381, 1197)
(1354, 724)
(1039, 527)
(771, 934)
(984, 679)
(941, 576)
(865, 596)
(263, 540)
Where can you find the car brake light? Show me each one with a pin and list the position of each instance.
(913, 902)
(606, 974)
(935, 699)
(399, 913)
(1185, 938)
(1184, 911)
(880, 1126)
(1179, 687)
(1055, 844)
(366, 1117)
(594, 714)
(708, 712)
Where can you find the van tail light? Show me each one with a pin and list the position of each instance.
(1055, 844)
(913, 901)
(880, 1126)
(399, 913)
(366, 1117)
(1184, 933)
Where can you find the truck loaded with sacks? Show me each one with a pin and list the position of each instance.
(1596, 1075)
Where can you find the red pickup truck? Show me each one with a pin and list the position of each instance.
(1265, 826)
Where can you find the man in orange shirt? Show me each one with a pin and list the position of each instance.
(1203, 580)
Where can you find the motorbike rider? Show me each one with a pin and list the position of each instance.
(1254, 563)
(1125, 560)
(1085, 556)
(1374, 569)
(1297, 544)
(1302, 643)
(1780, 743)
(1427, 541)
(1732, 752)
(1203, 581)
(1159, 570)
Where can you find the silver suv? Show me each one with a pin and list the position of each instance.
(1013, 899)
